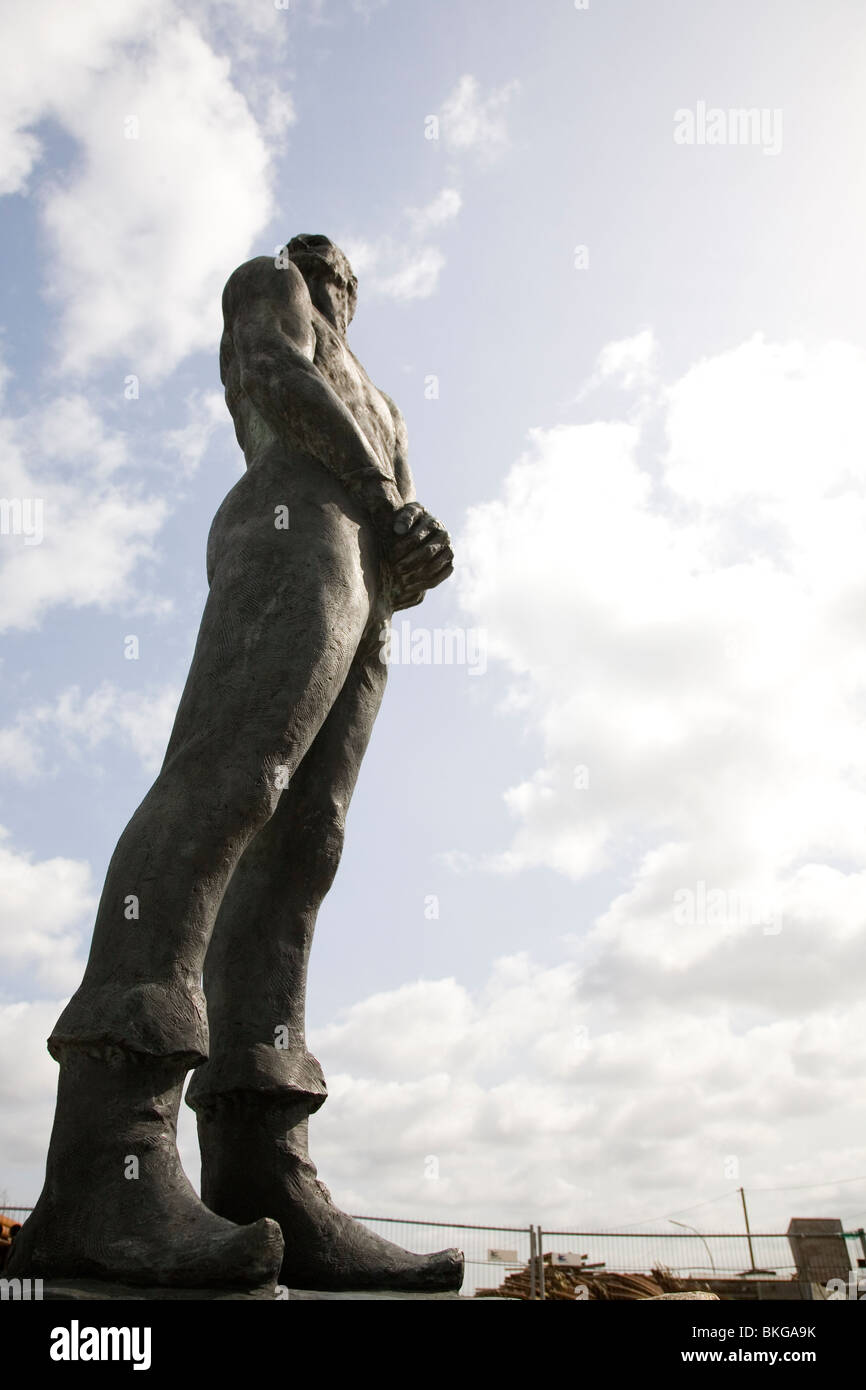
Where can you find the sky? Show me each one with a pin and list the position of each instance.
(594, 956)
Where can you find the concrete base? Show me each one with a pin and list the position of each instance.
(95, 1290)
(766, 1290)
(662, 1297)
(92, 1290)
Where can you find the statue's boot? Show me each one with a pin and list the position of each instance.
(117, 1205)
(255, 1161)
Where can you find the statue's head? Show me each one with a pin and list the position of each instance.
(328, 274)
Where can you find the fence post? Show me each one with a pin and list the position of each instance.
(540, 1262)
(532, 1263)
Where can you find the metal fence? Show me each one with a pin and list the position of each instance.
(491, 1252)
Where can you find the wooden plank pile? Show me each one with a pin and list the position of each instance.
(9, 1227)
(562, 1282)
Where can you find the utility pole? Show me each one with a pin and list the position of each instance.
(532, 1293)
(751, 1269)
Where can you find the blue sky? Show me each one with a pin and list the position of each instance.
(646, 436)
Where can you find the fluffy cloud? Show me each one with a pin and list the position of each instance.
(206, 412)
(43, 905)
(539, 1097)
(443, 208)
(408, 267)
(390, 269)
(405, 268)
(474, 121)
(28, 1081)
(76, 522)
(171, 185)
(58, 70)
(630, 361)
(415, 277)
(685, 643)
(794, 437)
(139, 720)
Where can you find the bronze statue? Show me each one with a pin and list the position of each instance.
(224, 865)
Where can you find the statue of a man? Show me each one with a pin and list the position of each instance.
(221, 871)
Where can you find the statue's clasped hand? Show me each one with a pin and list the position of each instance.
(420, 554)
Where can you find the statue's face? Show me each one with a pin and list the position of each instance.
(324, 264)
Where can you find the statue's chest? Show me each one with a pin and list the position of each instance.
(356, 391)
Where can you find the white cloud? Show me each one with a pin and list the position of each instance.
(64, 469)
(139, 720)
(405, 268)
(143, 720)
(43, 908)
(476, 122)
(71, 432)
(415, 278)
(28, 1082)
(630, 360)
(442, 209)
(144, 231)
(629, 363)
(280, 112)
(540, 1098)
(693, 647)
(206, 412)
(19, 753)
(795, 437)
(391, 269)
(57, 70)
(242, 26)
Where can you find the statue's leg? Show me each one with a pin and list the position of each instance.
(278, 635)
(253, 1097)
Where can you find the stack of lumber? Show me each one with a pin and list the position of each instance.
(600, 1284)
(9, 1227)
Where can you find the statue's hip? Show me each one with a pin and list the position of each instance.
(291, 500)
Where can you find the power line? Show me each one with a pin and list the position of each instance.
(680, 1211)
(805, 1186)
(710, 1201)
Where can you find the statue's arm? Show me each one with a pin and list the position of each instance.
(402, 471)
(268, 315)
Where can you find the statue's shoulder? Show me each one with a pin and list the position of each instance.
(263, 279)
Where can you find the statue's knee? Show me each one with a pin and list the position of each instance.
(229, 794)
(324, 833)
(227, 806)
(248, 800)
